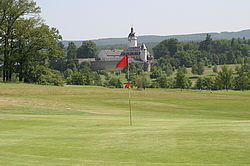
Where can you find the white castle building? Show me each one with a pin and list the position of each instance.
(135, 52)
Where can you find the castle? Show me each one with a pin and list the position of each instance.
(136, 53)
(107, 59)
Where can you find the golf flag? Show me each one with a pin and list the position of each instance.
(127, 85)
(123, 62)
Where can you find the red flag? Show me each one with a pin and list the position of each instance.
(123, 62)
(127, 85)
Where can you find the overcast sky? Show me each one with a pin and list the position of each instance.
(93, 19)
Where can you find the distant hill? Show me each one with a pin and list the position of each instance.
(157, 39)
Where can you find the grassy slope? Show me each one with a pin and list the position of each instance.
(44, 125)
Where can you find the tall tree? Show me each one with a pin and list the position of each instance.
(34, 43)
(71, 51)
(88, 49)
(10, 12)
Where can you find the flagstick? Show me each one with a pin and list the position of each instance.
(129, 99)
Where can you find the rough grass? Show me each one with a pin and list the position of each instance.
(77, 125)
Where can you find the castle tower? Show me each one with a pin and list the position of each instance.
(132, 39)
(144, 53)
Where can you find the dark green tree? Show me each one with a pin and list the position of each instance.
(88, 49)
(71, 51)
(206, 45)
(166, 48)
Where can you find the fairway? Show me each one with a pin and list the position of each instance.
(89, 126)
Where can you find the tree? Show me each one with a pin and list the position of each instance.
(194, 69)
(142, 81)
(224, 78)
(183, 69)
(242, 80)
(10, 12)
(165, 82)
(35, 43)
(156, 72)
(166, 48)
(58, 62)
(206, 44)
(198, 68)
(88, 49)
(85, 67)
(25, 41)
(205, 83)
(181, 81)
(71, 51)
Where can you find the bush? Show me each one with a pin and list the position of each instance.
(115, 82)
(142, 81)
(52, 78)
(97, 80)
(76, 79)
(205, 83)
(164, 82)
(67, 73)
(46, 76)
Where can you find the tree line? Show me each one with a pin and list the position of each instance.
(209, 52)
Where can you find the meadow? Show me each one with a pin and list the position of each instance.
(89, 126)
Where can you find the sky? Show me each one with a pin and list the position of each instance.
(95, 19)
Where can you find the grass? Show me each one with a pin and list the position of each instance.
(79, 125)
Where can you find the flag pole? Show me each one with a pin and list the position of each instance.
(129, 98)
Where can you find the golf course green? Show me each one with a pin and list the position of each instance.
(89, 126)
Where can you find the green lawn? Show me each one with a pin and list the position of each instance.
(82, 126)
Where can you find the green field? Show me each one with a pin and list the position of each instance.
(82, 126)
